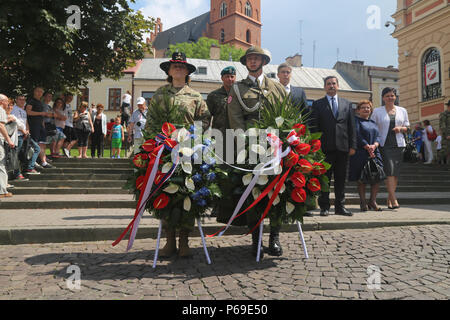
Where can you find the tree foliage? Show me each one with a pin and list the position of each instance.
(38, 48)
(201, 49)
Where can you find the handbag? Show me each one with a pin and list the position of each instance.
(372, 173)
(432, 136)
(50, 129)
(11, 158)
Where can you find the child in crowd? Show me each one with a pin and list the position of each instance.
(57, 141)
(117, 137)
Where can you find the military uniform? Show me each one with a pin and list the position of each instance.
(244, 104)
(195, 110)
(444, 125)
(217, 105)
(188, 99)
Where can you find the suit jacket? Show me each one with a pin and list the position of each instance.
(298, 96)
(339, 133)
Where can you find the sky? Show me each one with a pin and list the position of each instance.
(355, 28)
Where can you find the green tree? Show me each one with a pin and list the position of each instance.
(201, 49)
(37, 47)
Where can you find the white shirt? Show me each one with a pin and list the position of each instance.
(138, 117)
(3, 120)
(381, 118)
(439, 143)
(127, 98)
(287, 88)
(425, 135)
(69, 114)
(104, 120)
(260, 79)
(336, 99)
(21, 115)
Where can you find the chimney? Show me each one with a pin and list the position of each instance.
(158, 29)
(214, 52)
(295, 61)
(358, 62)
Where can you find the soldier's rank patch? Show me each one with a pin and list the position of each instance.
(230, 99)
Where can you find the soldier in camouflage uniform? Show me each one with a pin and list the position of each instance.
(444, 124)
(178, 71)
(245, 100)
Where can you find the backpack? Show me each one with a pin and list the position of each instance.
(432, 136)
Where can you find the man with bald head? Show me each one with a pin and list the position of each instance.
(4, 137)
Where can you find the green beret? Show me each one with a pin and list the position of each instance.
(228, 70)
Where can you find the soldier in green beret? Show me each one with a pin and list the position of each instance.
(179, 92)
(217, 100)
(444, 124)
(244, 103)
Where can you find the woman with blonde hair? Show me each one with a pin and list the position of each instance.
(368, 141)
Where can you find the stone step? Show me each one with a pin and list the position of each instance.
(91, 161)
(92, 201)
(68, 165)
(89, 170)
(66, 190)
(71, 184)
(74, 176)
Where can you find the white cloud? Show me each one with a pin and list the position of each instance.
(174, 12)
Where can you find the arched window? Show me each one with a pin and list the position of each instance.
(248, 36)
(248, 9)
(223, 9)
(431, 75)
(222, 36)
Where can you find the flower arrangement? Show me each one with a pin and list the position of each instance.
(181, 191)
(285, 194)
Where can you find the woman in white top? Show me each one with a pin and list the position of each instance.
(99, 119)
(392, 123)
(427, 142)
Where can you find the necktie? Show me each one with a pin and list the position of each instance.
(334, 107)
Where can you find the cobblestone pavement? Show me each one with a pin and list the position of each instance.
(414, 263)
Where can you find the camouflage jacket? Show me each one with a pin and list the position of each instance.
(217, 105)
(251, 95)
(444, 123)
(188, 98)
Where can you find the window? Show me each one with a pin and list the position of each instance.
(202, 70)
(114, 98)
(223, 9)
(222, 36)
(431, 75)
(271, 75)
(248, 9)
(248, 37)
(83, 97)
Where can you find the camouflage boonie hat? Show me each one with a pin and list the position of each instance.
(257, 50)
(228, 70)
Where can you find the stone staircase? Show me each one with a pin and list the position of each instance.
(75, 184)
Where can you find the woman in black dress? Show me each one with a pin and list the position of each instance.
(368, 138)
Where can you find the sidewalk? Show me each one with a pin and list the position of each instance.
(79, 225)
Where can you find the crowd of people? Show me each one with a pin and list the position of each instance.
(37, 130)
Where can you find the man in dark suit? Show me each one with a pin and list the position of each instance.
(298, 95)
(334, 117)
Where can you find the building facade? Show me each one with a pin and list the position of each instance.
(422, 29)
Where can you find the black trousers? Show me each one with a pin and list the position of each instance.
(339, 164)
(97, 144)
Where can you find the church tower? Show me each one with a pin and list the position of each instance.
(236, 22)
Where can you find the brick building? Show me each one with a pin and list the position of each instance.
(422, 30)
(234, 22)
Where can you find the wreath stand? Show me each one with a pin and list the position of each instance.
(205, 249)
(302, 239)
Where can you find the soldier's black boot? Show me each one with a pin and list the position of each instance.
(275, 248)
(255, 239)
